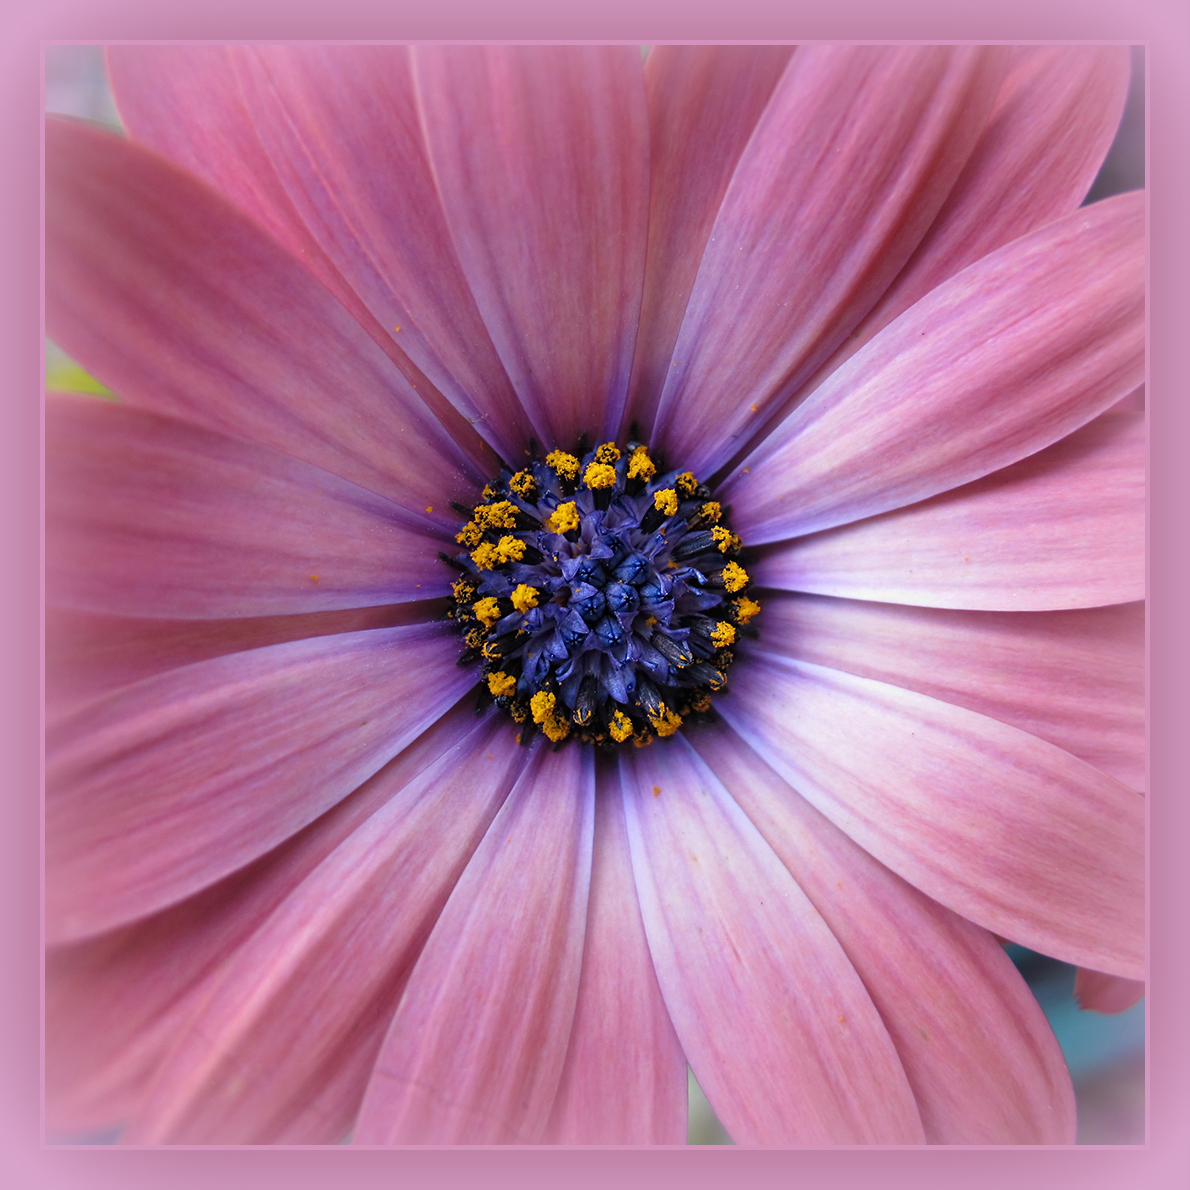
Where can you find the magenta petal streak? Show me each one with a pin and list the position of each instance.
(182, 778)
(1063, 528)
(998, 825)
(775, 1023)
(1005, 358)
(981, 1059)
(475, 1052)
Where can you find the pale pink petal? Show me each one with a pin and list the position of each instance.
(147, 516)
(776, 1025)
(1057, 112)
(1096, 992)
(1005, 358)
(846, 168)
(182, 305)
(624, 1081)
(1076, 679)
(88, 656)
(541, 158)
(283, 1044)
(115, 1003)
(182, 778)
(1064, 528)
(998, 825)
(704, 101)
(984, 1065)
(475, 1051)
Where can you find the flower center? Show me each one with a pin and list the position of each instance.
(602, 595)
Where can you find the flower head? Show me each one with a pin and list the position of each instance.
(360, 306)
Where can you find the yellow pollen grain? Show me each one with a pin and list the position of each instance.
(476, 637)
(501, 684)
(541, 707)
(725, 539)
(642, 741)
(510, 549)
(501, 515)
(711, 511)
(599, 475)
(469, 534)
(656, 790)
(490, 652)
(488, 493)
(524, 597)
(462, 590)
(723, 635)
(564, 518)
(609, 452)
(745, 609)
(702, 703)
(666, 722)
(735, 577)
(487, 611)
(640, 466)
(620, 727)
(485, 557)
(429, 508)
(315, 579)
(523, 484)
(666, 501)
(686, 483)
(564, 464)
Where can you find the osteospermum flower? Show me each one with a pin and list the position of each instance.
(804, 677)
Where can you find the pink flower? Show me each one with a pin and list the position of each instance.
(296, 887)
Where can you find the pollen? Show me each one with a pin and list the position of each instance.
(462, 590)
(501, 684)
(564, 518)
(711, 512)
(564, 464)
(666, 501)
(510, 549)
(735, 577)
(487, 612)
(609, 452)
(746, 609)
(665, 722)
(485, 557)
(640, 466)
(725, 539)
(686, 483)
(599, 475)
(541, 707)
(620, 727)
(501, 515)
(723, 635)
(469, 534)
(523, 484)
(524, 597)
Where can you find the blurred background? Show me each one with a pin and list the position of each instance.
(1105, 1053)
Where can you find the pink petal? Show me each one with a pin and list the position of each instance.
(1003, 359)
(283, 1044)
(182, 305)
(775, 1023)
(115, 1004)
(541, 158)
(1073, 678)
(981, 1059)
(178, 780)
(704, 101)
(88, 656)
(1003, 828)
(1057, 112)
(624, 1081)
(147, 516)
(1096, 992)
(846, 168)
(1064, 528)
(475, 1051)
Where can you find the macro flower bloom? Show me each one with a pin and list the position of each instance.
(298, 887)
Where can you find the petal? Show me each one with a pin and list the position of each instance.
(183, 306)
(624, 1081)
(475, 1051)
(88, 656)
(115, 1004)
(1096, 992)
(147, 516)
(339, 125)
(777, 1026)
(847, 166)
(1003, 359)
(704, 101)
(1076, 679)
(1064, 528)
(541, 158)
(1057, 112)
(282, 1046)
(182, 778)
(1003, 828)
(983, 1063)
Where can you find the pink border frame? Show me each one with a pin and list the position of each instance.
(1163, 25)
